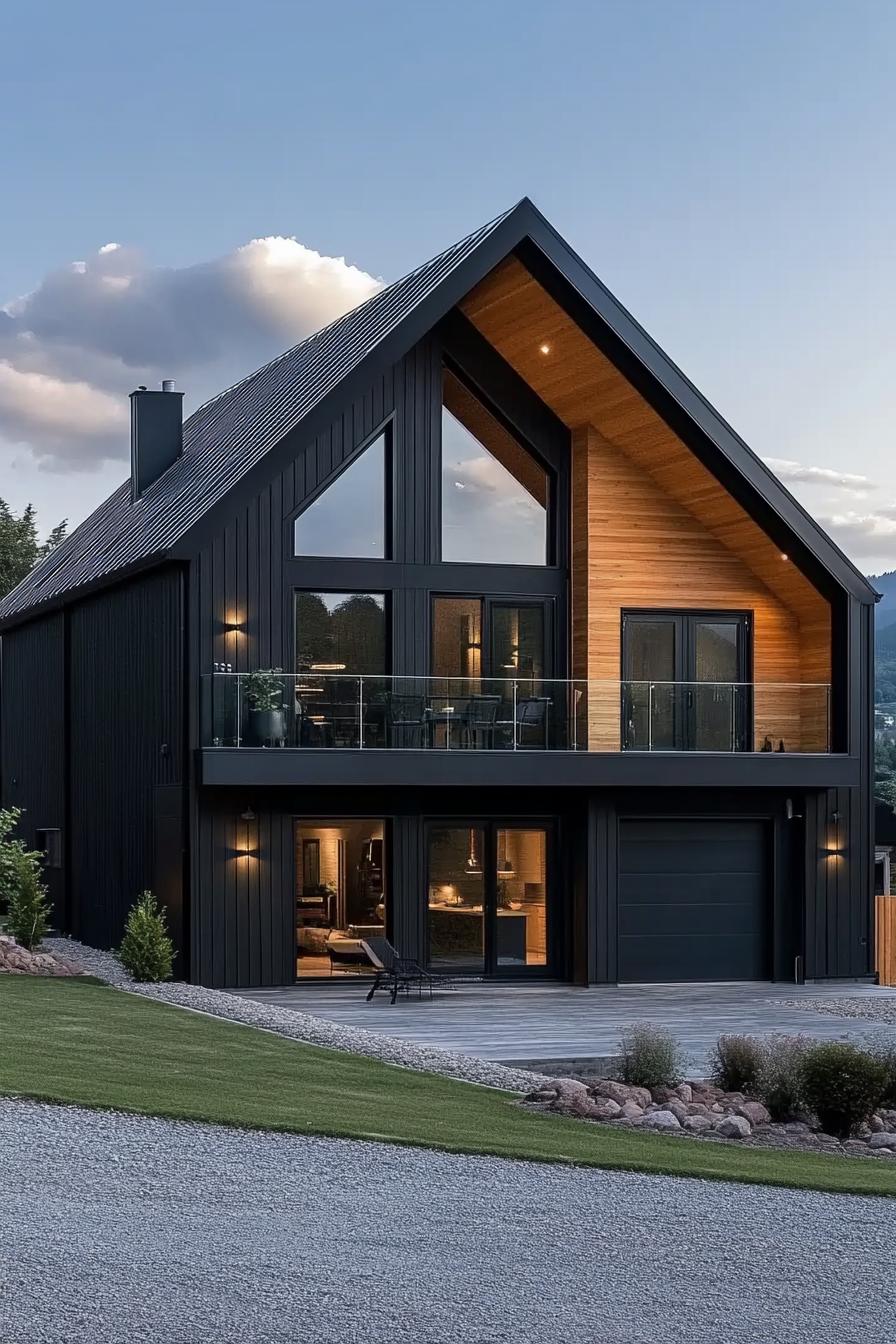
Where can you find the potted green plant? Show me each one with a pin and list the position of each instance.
(264, 691)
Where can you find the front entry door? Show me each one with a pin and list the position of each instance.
(488, 897)
(686, 681)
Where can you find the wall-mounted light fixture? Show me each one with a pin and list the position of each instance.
(246, 842)
(327, 667)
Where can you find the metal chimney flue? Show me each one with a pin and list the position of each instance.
(157, 434)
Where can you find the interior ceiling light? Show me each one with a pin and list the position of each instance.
(545, 348)
(784, 555)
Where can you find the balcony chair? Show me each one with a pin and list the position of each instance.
(394, 972)
(480, 719)
(407, 720)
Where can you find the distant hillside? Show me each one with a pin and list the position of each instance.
(885, 614)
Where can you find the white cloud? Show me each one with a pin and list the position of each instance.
(787, 470)
(75, 346)
(864, 534)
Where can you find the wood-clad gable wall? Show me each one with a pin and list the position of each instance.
(652, 527)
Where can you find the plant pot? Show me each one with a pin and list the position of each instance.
(267, 727)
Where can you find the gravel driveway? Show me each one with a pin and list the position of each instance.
(117, 1228)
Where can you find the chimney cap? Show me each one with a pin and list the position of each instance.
(167, 384)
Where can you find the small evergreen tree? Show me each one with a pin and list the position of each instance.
(29, 909)
(146, 950)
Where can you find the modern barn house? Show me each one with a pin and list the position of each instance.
(468, 619)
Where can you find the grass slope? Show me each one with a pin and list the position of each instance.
(88, 1044)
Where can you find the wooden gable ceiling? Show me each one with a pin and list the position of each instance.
(550, 351)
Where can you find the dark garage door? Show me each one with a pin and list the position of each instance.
(693, 901)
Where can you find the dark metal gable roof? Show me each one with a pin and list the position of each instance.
(225, 438)
(229, 437)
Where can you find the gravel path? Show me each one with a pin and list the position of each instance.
(881, 1008)
(118, 1228)
(299, 1026)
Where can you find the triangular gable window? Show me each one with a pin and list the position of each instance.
(494, 493)
(349, 517)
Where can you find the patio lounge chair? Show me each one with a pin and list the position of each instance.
(394, 972)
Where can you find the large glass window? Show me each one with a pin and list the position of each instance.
(457, 897)
(494, 493)
(350, 517)
(341, 894)
(340, 639)
(341, 632)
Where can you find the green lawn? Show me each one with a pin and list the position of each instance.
(76, 1041)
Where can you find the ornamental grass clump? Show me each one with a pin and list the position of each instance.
(735, 1064)
(146, 950)
(28, 913)
(843, 1085)
(781, 1076)
(649, 1056)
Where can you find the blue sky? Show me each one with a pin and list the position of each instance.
(726, 168)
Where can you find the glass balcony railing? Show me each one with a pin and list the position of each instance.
(329, 711)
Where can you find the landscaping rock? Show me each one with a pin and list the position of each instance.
(734, 1127)
(663, 1120)
(620, 1092)
(755, 1112)
(857, 1147)
(567, 1088)
(678, 1109)
(697, 1124)
(889, 1119)
(883, 1139)
(632, 1111)
(604, 1108)
(877, 1125)
(663, 1094)
(698, 1108)
(686, 1092)
(16, 960)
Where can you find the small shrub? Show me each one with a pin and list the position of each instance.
(28, 915)
(649, 1056)
(886, 1056)
(781, 1076)
(735, 1064)
(146, 950)
(11, 852)
(843, 1085)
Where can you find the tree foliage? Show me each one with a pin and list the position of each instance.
(146, 950)
(20, 546)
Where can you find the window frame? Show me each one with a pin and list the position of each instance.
(386, 431)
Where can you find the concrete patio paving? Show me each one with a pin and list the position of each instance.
(537, 1023)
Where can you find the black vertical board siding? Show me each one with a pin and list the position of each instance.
(33, 737)
(126, 651)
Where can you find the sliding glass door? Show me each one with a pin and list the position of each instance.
(686, 681)
(488, 897)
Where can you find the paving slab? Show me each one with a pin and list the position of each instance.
(538, 1023)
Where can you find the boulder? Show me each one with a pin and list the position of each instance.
(877, 1124)
(755, 1112)
(632, 1111)
(883, 1139)
(566, 1088)
(697, 1124)
(662, 1120)
(663, 1094)
(678, 1109)
(604, 1108)
(698, 1108)
(580, 1104)
(620, 1092)
(889, 1119)
(734, 1127)
(856, 1146)
(16, 960)
(686, 1092)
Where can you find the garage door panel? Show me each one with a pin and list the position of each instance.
(652, 959)
(702, 889)
(693, 900)
(689, 921)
